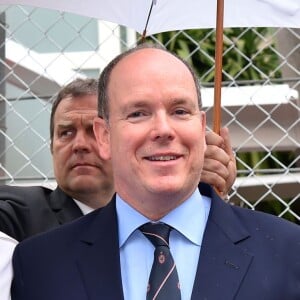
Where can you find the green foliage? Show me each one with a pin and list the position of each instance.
(248, 53)
(265, 162)
(276, 208)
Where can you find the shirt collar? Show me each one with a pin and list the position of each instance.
(83, 207)
(189, 218)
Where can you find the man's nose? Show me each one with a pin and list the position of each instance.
(81, 142)
(162, 128)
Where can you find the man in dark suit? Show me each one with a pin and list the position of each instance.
(84, 180)
(153, 131)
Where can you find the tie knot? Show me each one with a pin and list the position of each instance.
(157, 233)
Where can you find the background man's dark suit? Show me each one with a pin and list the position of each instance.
(243, 257)
(26, 211)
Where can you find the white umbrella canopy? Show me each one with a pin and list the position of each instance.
(153, 16)
(170, 15)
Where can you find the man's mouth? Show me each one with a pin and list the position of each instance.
(81, 165)
(162, 158)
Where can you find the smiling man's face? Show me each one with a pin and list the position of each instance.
(156, 131)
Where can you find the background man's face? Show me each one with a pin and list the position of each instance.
(77, 165)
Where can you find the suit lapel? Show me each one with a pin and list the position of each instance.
(65, 208)
(98, 258)
(223, 262)
(222, 265)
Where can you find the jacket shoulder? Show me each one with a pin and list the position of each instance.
(30, 193)
(25, 211)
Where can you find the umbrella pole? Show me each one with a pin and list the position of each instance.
(218, 67)
(148, 18)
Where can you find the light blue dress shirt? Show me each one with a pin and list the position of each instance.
(136, 251)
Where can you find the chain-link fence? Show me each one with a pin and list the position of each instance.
(41, 50)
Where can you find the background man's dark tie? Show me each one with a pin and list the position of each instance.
(163, 282)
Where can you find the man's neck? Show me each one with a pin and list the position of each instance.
(93, 200)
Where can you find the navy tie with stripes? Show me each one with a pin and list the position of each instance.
(163, 281)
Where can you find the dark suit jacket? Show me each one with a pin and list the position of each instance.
(26, 211)
(245, 255)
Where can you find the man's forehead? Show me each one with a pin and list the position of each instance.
(82, 113)
(84, 104)
(82, 116)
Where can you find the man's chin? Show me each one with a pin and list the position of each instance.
(171, 189)
(84, 183)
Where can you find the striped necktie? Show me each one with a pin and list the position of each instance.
(163, 282)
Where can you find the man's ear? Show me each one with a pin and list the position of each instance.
(101, 132)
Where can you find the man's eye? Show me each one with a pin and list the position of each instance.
(136, 114)
(181, 111)
(66, 133)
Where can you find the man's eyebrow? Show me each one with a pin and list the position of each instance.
(134, 105)
(143, 103)
(182, 101)
(63, 126)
